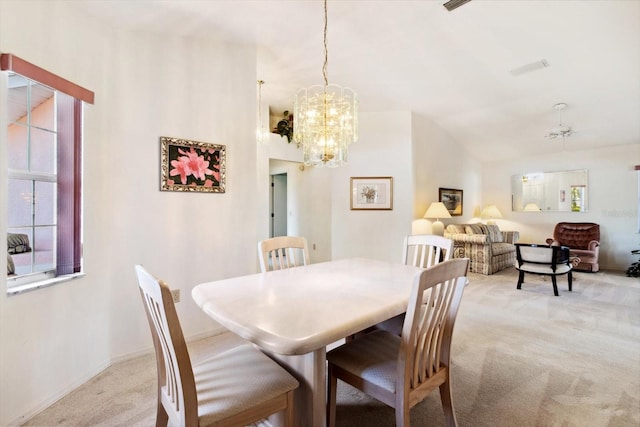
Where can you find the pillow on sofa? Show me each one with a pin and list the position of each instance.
(11, 268)
(474, 229)
(495, 235)
(455, 229)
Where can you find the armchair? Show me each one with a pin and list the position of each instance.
(583, 240)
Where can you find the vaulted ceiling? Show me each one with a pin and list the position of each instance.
(475, 71)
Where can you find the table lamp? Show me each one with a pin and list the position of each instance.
(532, 207)
(437, 210)
(491, 212)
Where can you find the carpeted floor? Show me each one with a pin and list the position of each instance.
(520, 358)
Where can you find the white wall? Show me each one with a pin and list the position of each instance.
(613, 195)
(146, 86)
(383, 149)
(312, 196)
(44, 335)
(439, 161)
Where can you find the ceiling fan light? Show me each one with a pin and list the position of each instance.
(560, 131)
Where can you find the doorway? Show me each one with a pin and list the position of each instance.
(278, 205)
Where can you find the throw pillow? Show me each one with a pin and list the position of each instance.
(474, 229)
(495, 235)
(455, 229)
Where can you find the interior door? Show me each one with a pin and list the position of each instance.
(278, 205)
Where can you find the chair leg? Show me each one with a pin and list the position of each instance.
(570, 279)
(402, 416)
(520, 279)
(162, 418)
(555, 285)
(447, 403)
(332, 391)
(288, 415)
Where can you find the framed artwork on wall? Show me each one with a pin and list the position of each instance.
(452, 199)
(192, 166)
(371, 193)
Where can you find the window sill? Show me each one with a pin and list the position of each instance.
(20, 289)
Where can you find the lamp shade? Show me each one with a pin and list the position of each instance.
(532, 207)
(491, 212)
(437, 210)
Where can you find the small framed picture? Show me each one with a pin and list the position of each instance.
(371, 193)
(192, 166)
(452, 200)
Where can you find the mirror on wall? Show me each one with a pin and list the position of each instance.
(565, 191)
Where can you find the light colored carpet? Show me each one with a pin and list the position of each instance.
(520, 358)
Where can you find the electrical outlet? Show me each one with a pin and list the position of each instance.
(175, 294)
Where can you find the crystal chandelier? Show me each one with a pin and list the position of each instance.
(325, 119)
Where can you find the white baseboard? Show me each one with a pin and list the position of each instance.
(64, 390)
(68, 388)
(147, 350)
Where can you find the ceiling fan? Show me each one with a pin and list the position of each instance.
(561, 131)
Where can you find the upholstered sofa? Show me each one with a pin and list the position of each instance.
(488, 249)
(583, 240)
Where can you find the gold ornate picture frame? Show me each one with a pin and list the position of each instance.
(192, 166)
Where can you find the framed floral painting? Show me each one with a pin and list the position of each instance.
(372, 193)
(192, 166)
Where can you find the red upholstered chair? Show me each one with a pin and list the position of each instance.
(583, 240)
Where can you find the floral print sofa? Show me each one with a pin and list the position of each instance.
(488, 248)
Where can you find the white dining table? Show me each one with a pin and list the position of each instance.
(293, 314)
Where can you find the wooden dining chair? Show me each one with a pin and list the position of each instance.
(424, 251)
(234, 388)
(401, 371)
(283, 252)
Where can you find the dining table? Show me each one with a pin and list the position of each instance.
(294, 314)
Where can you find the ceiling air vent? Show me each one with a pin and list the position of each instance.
(527, 68)
(454, 4)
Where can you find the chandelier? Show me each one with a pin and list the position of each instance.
(325, 119)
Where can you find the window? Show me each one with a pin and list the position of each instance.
(44, 157)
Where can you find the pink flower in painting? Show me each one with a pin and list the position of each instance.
(216, 174)
(180, 168)
(208, 183)
(170, 182)
(190, 163)
(198, 165)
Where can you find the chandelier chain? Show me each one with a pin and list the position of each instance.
(326, 50)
